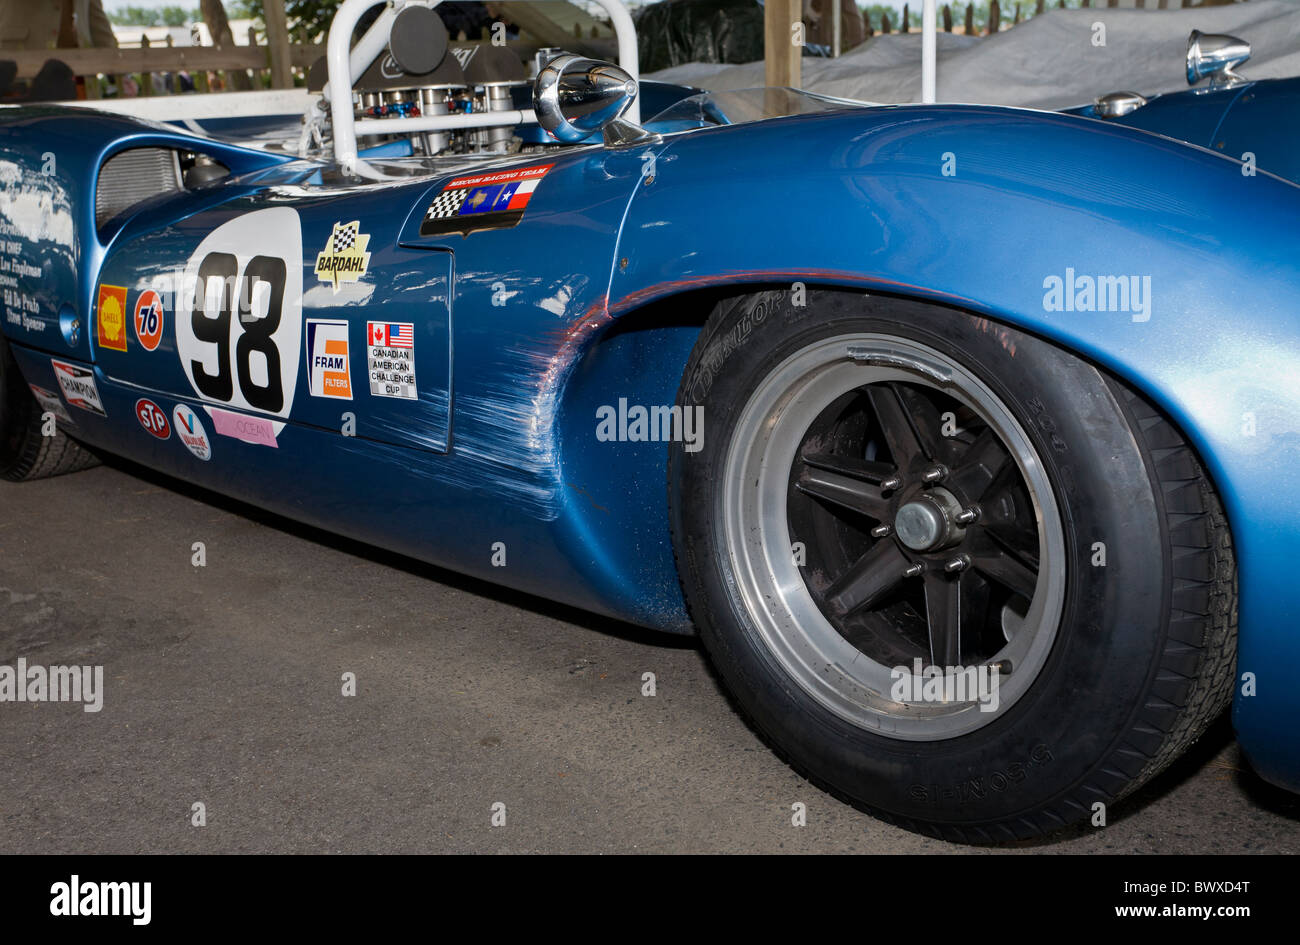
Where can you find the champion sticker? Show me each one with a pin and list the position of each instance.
(78, 386)
(327, 359)
(110, 317)
(148, 319)
(189, 430)
(50, 403)
(482, 201)
(344, 258)
(391, 359)
(153, 418)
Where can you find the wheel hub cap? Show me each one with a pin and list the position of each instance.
(928, 522)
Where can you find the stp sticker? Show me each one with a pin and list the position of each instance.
(50, 403)
(78, 386)
(110, 317)
(328, 373)
(148, 319)
(391, 361)
(239, 314)
(482, 201)
(189, 430)
(344, 258)
(153, 418)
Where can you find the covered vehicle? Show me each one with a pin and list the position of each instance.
(958, 433)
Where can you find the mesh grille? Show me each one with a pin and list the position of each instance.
(131, 176)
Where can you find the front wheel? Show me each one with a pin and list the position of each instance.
(950, 571)
(31, 444)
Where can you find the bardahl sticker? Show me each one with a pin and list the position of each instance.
(110, 317)
(391, 359)
(490, 201)
(78, 386)
(344, 258)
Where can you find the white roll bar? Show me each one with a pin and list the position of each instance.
(929, 34)
(346, 66)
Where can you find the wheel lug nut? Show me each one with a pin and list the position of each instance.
(1002, 666)
(935, 473)
(880, 531)
(914, 571)
(966, 516)
(892, 483)
(959, 563)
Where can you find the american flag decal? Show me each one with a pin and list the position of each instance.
(487, 201)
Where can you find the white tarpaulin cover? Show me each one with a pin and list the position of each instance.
(1049, 61)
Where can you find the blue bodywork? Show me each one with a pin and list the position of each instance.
(600, 290)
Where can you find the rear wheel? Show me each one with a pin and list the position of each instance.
(26, 452)
(949, 570)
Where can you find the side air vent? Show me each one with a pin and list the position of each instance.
(129, 177)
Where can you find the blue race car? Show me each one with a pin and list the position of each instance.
(959, 434)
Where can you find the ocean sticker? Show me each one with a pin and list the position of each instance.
(328, 371)
(239, 426)
(344, 258)
(482, 201)
(390, 359)
(78, 386)
(110, 317)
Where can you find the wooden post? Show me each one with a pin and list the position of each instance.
(995, 17)
(947, 17)
(907, 19)
(781, 54)
(1038, 9)
(146, 77)
(970, 18)
(277, 38)
(884, 22)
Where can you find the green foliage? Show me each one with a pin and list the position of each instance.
(1008, 11)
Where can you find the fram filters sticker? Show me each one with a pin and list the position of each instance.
(328, 373)
(148, 319)
(482, 201)
(50, 403)
(153, 418)
(239, 426)
(391, 359)
(344, 258)
(78, 386)
(110, 317)
(189, 430)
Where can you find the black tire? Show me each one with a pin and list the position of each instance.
(1142, 657)
(25, 452)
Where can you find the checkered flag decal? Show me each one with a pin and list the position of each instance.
(446, 204)
(344, 237)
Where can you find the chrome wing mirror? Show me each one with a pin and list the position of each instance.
(574, 97)
(1215, 55)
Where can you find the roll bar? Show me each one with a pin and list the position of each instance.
(346, 66)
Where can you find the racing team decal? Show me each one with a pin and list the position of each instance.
(78, 386)
(328, 373)
(189, 430)
(110, 317)
(153, 418)
(344, 258)
(239, 320)
(391, 361)
(148, 320)
(482, 201)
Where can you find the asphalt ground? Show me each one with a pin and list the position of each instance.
(223, 686)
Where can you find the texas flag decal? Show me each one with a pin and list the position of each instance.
(489, 201)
